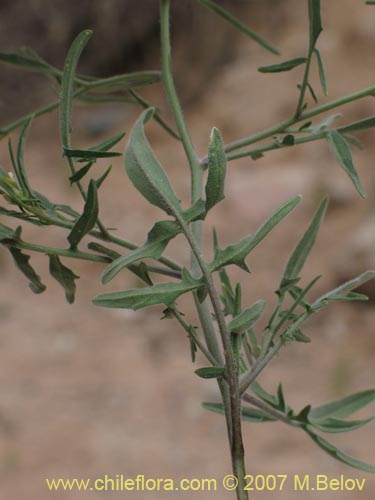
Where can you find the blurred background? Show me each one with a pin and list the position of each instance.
(87, 392)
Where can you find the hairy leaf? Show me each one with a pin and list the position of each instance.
(64, 276)
(88, 218)
(217, 165)
(236, 254)
(344, 407)
(67, 85)
(247, 318)
(303, 248)
(145, 172)
(163, 293)
(338, 454)
(314, 21)
(341, 150)
(88, 154)
(157, 240)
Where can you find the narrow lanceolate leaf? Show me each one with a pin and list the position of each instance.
(67, 85)
(88, 154)
(64, 276)
(341, 150)
(103, 177)
(344, 407)
(315, 21)
(210, 372)
(79, 174)
(238, 24)
(247, 318)
(247, 414)
(88, 218)
(145, 172)
(20, 171)
(25, 62)
(236, 254)
(363, 124)
(303, 248)
(284, 66)
(217, 166)
(342, 292)
(338, 454)
(22, 262)
(335, 425)
(163, 293)
(322, 75)
(157, 240)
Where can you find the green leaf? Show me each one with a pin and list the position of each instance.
(145, 172)
(79, 174)
(88, 154)
(238, 24)
(88, 218)
(22, 262)
(217, 165)
(157, 240)
(363, 124)
(312, 92)
(342, 292)
(341, 150)
(25, 62)
(67, 85)
(322, 74)
(236, 254)
(314, 22)
(20, 171)
(247, 318)
(338, 454)
(103, 177)
(335, 426)
(264, 395)
(284, 66)
(288, 140)
(64, 276)
(124, 82)
(344, 407)
(303, 248)
(108, 143)
(211, 372)
(163, 293)
(7, 233)
(247, 414)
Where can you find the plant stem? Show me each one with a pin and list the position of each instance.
(304, 83)
(268, 409)
(280, 127)
(195, 167)
(194, 239)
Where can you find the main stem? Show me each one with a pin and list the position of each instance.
(231, 390)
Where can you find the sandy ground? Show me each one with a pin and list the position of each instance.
(87, 392)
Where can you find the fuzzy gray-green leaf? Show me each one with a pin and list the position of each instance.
(67, 85)
(284, 66)
(304, 246)
(157, 240)
(217, 166)
(64, 276)
(338, 454)
(336, 426)
(314, 21)
(88, 218)
(341, 150)
(322, 75)
(145, 172)
(247, 318)
(236, 254)
(344, 407)
(163, 293)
